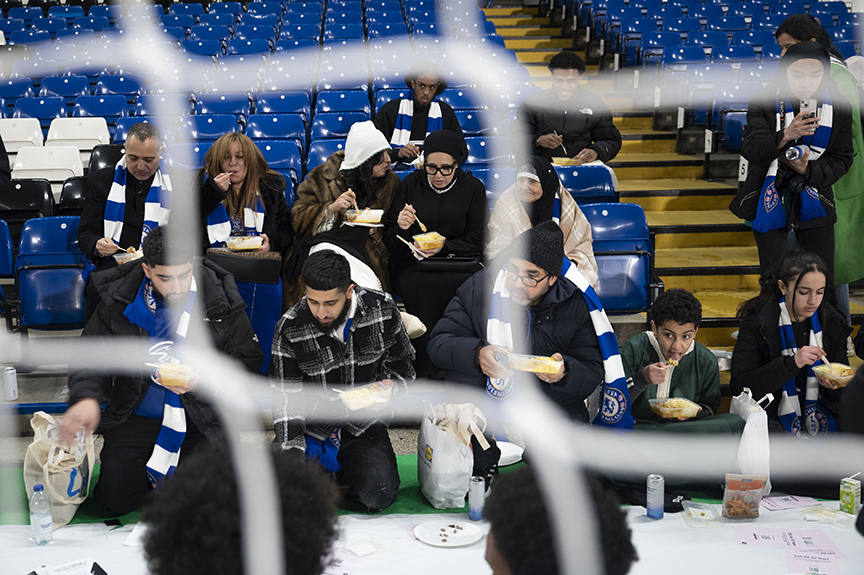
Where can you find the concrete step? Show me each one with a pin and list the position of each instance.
(647, 166)
(509, 11)
(513, 43)
(709, 268)
(698, 228)
(507, 32)
(646, 141)
(520, 20)
(676, 194)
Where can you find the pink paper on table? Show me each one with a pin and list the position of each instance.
(341, 561)
(778, 501)
(821, 562)
(801, 540)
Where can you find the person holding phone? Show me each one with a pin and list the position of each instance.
(801, 107)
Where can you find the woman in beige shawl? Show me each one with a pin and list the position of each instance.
(536, 197)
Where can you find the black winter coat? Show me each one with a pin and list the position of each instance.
(584, 121)
(759, 148)
(560, 323)
(758, 365)
(225, 326)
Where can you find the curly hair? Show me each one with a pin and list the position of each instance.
(678, 305)
(567, 61)
(523, 535)
(194, 522)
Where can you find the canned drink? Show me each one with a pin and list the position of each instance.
(795, 152)
(476, 498)
(10, 383)
(656, 495)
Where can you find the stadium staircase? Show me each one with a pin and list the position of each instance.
(700, 245)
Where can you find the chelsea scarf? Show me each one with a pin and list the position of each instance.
(817, 420)
(405, 115)
(157, 206)
(143, 313)
(219, 224)
(769, 210)
(615, 408)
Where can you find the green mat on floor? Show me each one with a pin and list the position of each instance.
(13, 499)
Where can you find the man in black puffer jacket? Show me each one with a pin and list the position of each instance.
(152, 303)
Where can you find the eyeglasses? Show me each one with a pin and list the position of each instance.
(527, 281)
(445, 170)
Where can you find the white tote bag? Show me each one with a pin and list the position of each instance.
(64, 471)
(754, 451)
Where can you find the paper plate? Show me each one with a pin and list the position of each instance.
(440, 532)
(510, 453)
(362, 225)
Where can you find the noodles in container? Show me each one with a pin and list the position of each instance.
(429, 241)
(365, 216)
(128, 255)
(674, 407)
(364, 396)
(175, 375)
(837, 373)
(534, 363)
(243, 243)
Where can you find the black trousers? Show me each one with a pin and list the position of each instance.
(123, 484)
(772, 245)
(369, 468)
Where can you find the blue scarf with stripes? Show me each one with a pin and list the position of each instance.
(219, 227)
(405, 116)
(769, 210)
(615, 408)
(157, 205)
(817, 420)
(156, 321)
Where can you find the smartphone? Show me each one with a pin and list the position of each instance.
(809, 107)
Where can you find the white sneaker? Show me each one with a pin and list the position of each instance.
(413, 325)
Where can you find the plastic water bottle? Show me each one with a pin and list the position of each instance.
(41, 519)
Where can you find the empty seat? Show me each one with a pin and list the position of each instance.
(44, 109)
(277, 127)
(587, 184)
(320, 150)
(105, 156)
(19, 133)
(54, 164)
(72, 197)
(496, 180)
(237, 104)
(624, 255)
(208, 127)
(186, 156)
(251, 46)
(284, 103)
(162, 104)
(477, 122)
(343, 101)
(83, 133)
(67, 87)
(109, 107)
(285, 157)
(486, 149)
(215, 32)
(335, 124)
(25, 199)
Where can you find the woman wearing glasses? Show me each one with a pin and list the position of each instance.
(447, 200)
(361, 174)
(539, 196)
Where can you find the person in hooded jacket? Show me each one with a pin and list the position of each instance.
(781, 195)
(169, 301)
(451, 202)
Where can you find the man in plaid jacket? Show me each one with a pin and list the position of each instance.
(340, 336)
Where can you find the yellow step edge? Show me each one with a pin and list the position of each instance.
(513, 33)
(507, 11)
(715, 337)
(632, 122)
(714, 217)
(538, 21)
(701, 258)
(685, 202)
(536, 57)
(535, 43)
(648, 146)
(675, 184)
(659, 172)
(696, 283)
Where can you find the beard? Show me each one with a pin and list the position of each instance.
(333, 324)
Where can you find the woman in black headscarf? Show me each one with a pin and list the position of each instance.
(446, 200)
(781, 195)
(538, 196)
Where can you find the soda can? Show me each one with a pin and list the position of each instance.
(795, 152)
(476, 498)
(10, 383)
(656, 495)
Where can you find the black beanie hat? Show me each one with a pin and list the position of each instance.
(543, 246)
(805, 50)
(447, 142)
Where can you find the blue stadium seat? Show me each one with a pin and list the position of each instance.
(120, 84)
(826, 19)
(236, 103)
(343, 101)
(186, 21)
(277, 127)
(286, 44)
(253, 46)
(705, 13)
(344, 79)
(191, 9)
(464, 98)
(10, 25)
(13, 88)
(663, 13)
(212, 19)
(48, 276)
(653, 44)
(386, 29)
(167, 129)
(285, 157)
(276, 8)
(94, 23)
(486, 150)
(495, 180)
(730, 24)
(747, 10)
(392, 16)
(735, 54)
(208, 127)
(314, 8)
(334, 124)
(682, 25)
(477, 122)
(284, 103)
(766, 22)
(28, 36)
(708, 40)
(261, 20)
(729, 114)
(112, 108)
(66, 12)
(111, 11)
(384, 96)
(186, 156)
(684, 55)
(847, 49)
(233, 8)
(833, 6)
(337, 18)
(252, 32)
(343, 32)
(202, 47)
(786, 8)
(758, 72)
(26, 13)
(68, 87)
(615, 17)
(176, 32)
(587, 184)
(320, 150)
(770, 52)
(215, 32)
(631, 36)
(50, 25)
(700, 80)
(45, 109)
(754, 38)
(849, 33)
(624, 254)
(161, 104)
(7, 255)
(294, 31)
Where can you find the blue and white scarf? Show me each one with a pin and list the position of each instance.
(615, 408)
(157, 206)
(219, 224)
(142, 312)
(402, 130)
(769, 211)
(817, 420)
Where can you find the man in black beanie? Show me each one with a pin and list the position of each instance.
(521, 301)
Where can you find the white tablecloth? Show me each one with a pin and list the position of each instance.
(666, 546)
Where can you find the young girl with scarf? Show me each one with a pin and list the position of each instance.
(252, 204)
(779, 195)
(785, 331)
